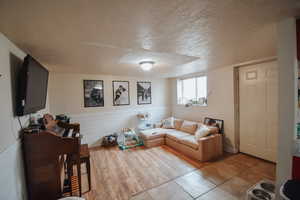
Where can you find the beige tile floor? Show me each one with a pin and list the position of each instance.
(228, 179)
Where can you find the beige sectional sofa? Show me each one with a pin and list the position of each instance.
(183, 139)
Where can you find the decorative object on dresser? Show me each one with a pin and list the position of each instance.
(63, 118)
(121, 93)
(144, 95)
(93, 93)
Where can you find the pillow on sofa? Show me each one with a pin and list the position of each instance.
(188, 126)
(201, 132)
(178, 123)
(157, 125)
(168, 123)
(213, 129)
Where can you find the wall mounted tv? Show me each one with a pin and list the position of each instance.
(32, 87)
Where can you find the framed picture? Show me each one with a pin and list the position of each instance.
(121, 93)
(93, 93)
(144, 95)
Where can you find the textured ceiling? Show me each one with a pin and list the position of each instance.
(113, 36)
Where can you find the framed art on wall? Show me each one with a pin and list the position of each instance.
(93, 93)
(215, 122)
(121, 93)
(144, 95)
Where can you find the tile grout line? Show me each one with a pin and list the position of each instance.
(193, 170)
(172, 179)
(184, 190)
(227, 180)
(216, 186)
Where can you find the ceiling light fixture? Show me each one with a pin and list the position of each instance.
(146, 65)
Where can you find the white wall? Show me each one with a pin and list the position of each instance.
(12, 182)
(66, 96)
(287, 61)
(220, 83)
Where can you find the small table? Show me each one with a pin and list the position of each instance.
(129, 139)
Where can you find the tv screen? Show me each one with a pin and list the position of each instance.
(33, 84)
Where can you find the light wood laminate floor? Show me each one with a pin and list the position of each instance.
(162, 173)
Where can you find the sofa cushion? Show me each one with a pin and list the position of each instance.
(213, 129)
(202, 131)
(153, 133)
(175, 134)
(157, 125)
(189, 141)
(189, 126)
(178, 123)
(168, 123)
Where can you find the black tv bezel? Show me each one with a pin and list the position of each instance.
(22, 88)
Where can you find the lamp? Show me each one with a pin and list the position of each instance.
(146, 65)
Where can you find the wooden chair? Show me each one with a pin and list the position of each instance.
(82, 155)
(74, 128)
(84, 152)
(84, 158)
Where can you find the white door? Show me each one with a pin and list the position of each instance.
(258, 90)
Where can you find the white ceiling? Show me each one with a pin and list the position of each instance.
(113, 36)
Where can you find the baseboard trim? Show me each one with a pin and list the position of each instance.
(231, 149)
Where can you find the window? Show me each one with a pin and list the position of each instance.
(192, 91)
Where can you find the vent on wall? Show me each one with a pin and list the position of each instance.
(251, 75)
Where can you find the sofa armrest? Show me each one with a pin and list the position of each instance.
(209, 138)
(211, 146)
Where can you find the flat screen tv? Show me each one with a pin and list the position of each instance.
(32, 87)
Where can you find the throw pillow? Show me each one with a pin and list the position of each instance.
(157, 125)
(213, 129)
(178, 123)
(168, 123)
(201, 132)
(188, 126)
